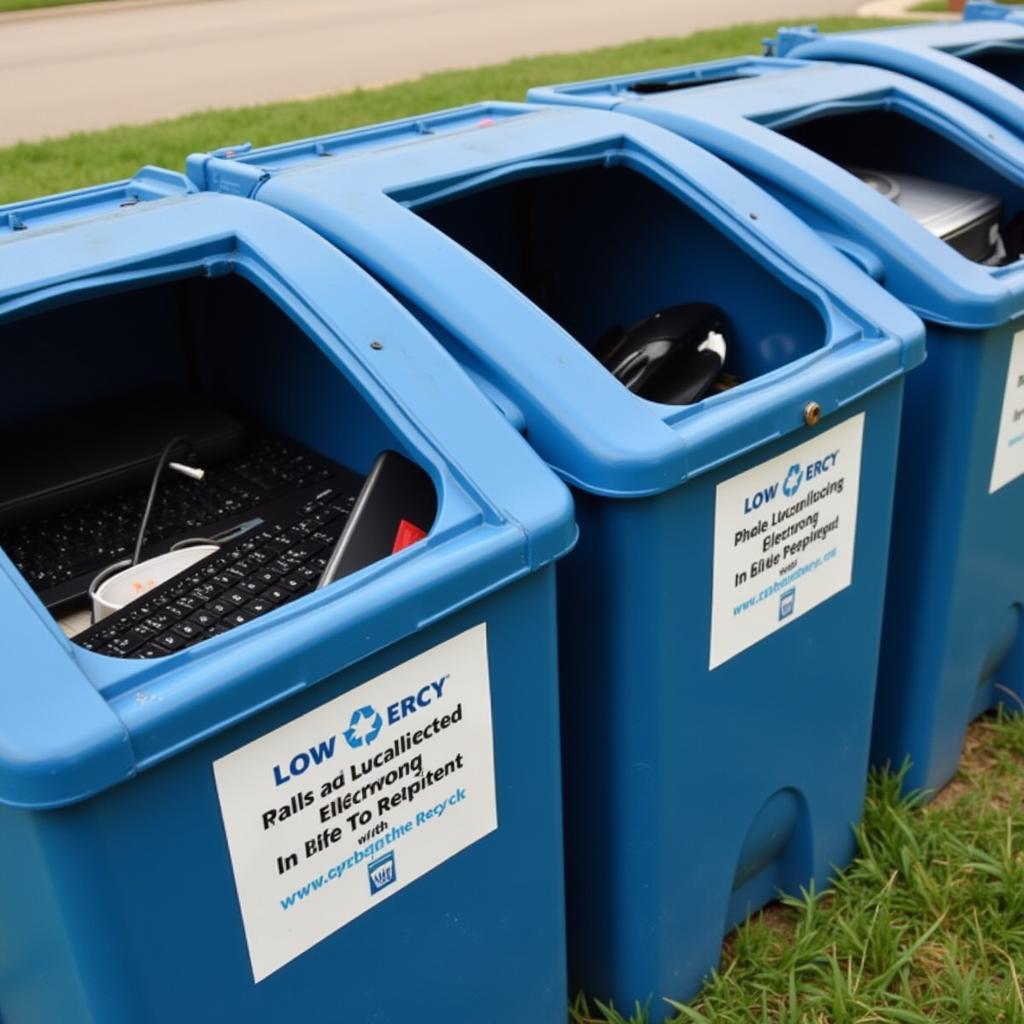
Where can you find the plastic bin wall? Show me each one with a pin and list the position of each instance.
(123, 781)
(952, 644)
(700, 776)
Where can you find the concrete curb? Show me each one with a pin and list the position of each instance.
(872, 9)
(901, 9)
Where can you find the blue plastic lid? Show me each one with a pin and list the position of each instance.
(939, 53)
(990, 10)
(594, 432)
(738, 121)
(392, 133)
(149, 184)
(72, 722)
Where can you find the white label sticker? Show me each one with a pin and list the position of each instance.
(339, 809)
(784, 536)
(1008, 463)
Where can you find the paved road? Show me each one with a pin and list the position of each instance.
(79, 68)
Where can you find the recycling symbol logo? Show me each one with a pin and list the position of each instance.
(364, 727)
(794, 478)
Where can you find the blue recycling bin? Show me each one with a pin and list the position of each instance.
(989, 10)
(349, 805)
(979, 61)
(718, 622)
(952, 644)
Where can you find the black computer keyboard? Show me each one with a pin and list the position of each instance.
(263, 569)
(61, 554)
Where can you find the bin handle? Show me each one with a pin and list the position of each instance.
(863, 257)
(499, 399)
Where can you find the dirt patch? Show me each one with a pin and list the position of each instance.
(978, 757)
(983, 759)
(779, 919)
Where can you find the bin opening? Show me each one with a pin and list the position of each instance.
(650, 86)
(954, 195)
(1006, 62)
(643, 282)
(203, 401)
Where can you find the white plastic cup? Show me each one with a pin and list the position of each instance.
(125, 586)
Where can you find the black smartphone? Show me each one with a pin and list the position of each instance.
(396, 507)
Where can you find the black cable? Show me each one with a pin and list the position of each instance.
(161, 462)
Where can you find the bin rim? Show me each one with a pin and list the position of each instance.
(614, 444)
(936, 53)
(737, 121)
(604, 89)
(147, 184)
(989, 10)
(944, 36)
(279, 157)
(73, 723)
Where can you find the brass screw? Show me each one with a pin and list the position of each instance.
(376, 346)
(812, 414)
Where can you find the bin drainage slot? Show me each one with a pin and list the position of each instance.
(945, 188)
(665, 301)
(769, 835)
(775, 856)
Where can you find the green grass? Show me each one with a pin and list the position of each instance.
(32, 5)
(925, 927)
(33, 169)
(931, 6)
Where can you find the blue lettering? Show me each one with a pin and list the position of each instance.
(324, 752)
(424, 697)
(301, 762)
(762, 497)
(820, 466)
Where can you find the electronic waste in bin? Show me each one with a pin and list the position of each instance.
(927, 194)
(241, 794)
(979, 61)
(718, 621)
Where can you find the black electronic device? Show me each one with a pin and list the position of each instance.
(69, 457)
(395, 508)
(674, 356)
(61, 553)
(266, 567)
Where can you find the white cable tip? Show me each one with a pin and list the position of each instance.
(191, 471)
(714, 342)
